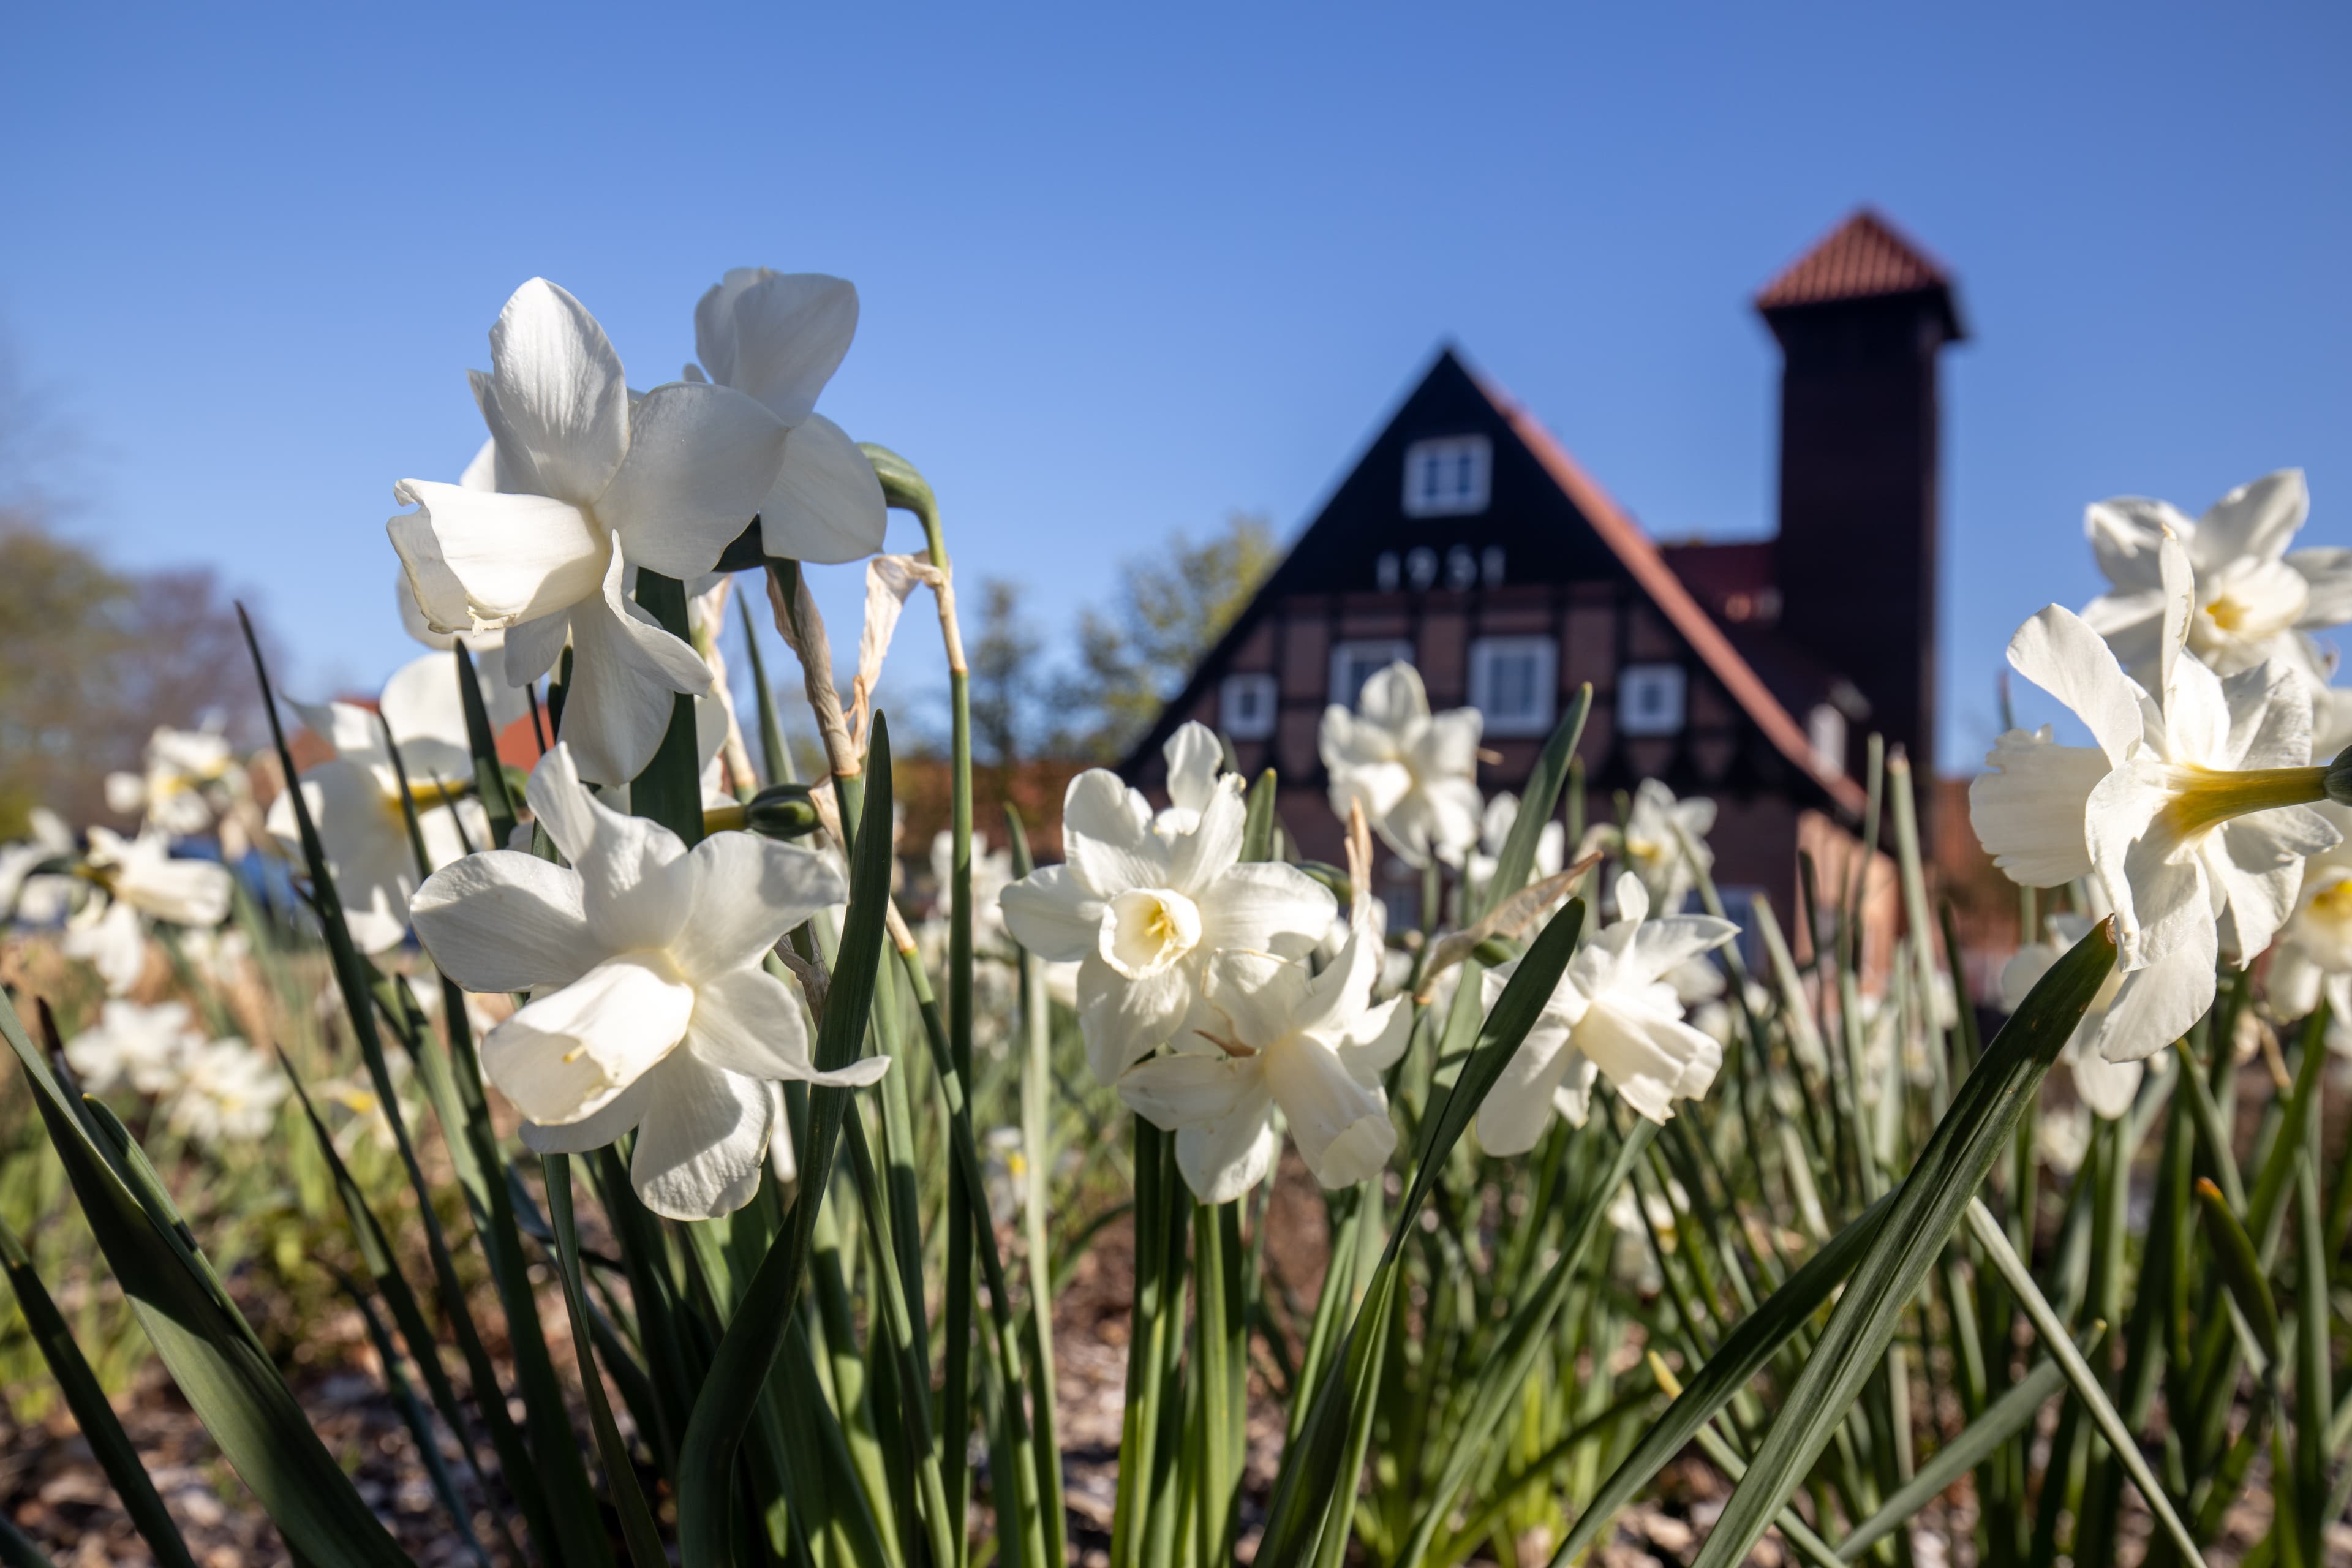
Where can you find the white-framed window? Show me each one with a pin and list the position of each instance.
(1246, 706)
(1826, 730)
(1490, 566)
(1353, 663)
(1461, 569)
(1386, 571)
(1649, 700)
(1513, 683)
(1421, 567)
(1447, 475)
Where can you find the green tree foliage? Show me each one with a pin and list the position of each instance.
(1008, 682)
(92, 659)
(1168, 609)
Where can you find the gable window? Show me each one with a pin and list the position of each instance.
(1826, 730)
(1447, 476)
(1246, 706)
(1649, 700)
(1354, 663)
(1512, 683)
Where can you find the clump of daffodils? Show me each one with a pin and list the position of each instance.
(2193, 811)
(1143, 903)
(1615, 1012)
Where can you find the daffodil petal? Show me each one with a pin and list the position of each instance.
(748, 892)
(567, 1053)
(826, 505)
(702, 1141)
(478, 559)
(555, 399)
(504, 921)
(1051, 915)
(700, 460)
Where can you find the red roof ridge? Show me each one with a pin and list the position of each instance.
(1864, 258)
(1640, 556)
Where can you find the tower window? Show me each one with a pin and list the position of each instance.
(1447, 476)
(1649, 700)
(1246, 706)
(1354, 663)
(1512, 683)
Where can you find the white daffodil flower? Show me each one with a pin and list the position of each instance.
(354, 797)
(1650, 842)
(2192, 810)
(2314, 956)
(109, 936)
(1614, 1011)
(138, 880)
(170, 793)
(2255, 599)
(1267, 1035)
(992, 873)
(2062, 1139)
(778, 336)
(1415, 774)
(26, 891)
(2109, 1087)
(227, 1091)
(1494, 830)
(1142, 911)
(589, 486)
(649, 1006)
(145, 1047)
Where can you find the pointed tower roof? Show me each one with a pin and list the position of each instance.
(1865, 257)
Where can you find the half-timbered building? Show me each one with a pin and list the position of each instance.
(1467, 542)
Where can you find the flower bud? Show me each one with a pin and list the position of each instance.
(2338, 778)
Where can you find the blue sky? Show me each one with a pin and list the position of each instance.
(1125, 268)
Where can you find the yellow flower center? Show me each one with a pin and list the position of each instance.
(2228, 615)
(2333, 903)
(423, 797)
(2206, 797)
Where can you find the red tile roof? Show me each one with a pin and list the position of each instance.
(1862, 258)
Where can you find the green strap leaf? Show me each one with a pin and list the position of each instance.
(2078, 1372)
(108, 1442)
(227, 1380)
(489, 778)
(1928, 1203)
(1517, 863)
(637, 1519)
(2004, 1419)
(554, 1489)
(740, 1367)
(1743, 1353)
(1314, 1464)
(1526, 1337)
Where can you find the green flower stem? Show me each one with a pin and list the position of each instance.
(1038, 1157)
